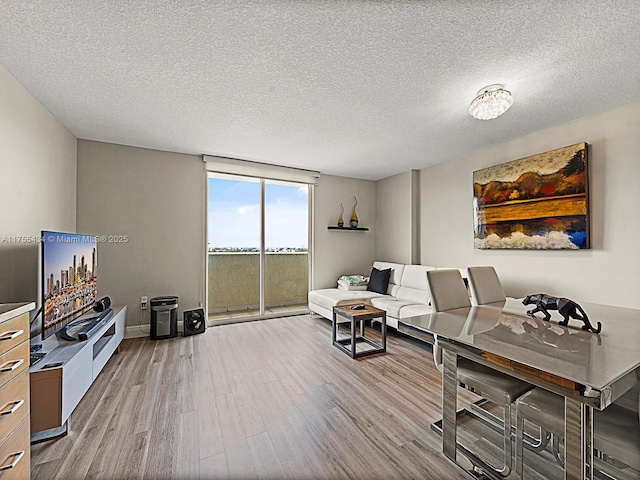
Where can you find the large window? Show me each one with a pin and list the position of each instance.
(257, 248)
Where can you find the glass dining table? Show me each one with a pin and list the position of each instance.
(590, 370)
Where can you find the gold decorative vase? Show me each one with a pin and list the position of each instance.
(354, 217)
(341, 220)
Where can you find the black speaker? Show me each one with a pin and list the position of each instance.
(102, 304)
(194, 321)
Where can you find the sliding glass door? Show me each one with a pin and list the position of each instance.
(258, 248)
(233, 247)
(286, 269)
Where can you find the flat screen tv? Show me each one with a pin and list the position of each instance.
(68, 280)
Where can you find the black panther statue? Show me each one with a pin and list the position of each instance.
(567, 308)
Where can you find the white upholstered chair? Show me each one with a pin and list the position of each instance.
(449, 292)
(485, 285)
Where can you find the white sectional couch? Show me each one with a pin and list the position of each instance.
(407, 294)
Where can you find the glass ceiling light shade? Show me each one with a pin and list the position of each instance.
(491, 102)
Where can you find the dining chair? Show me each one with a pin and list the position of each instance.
(616, 428)
(486, 288)
(448, 292)
(485, 285)
(546, 410)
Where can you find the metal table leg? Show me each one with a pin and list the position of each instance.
(449, 400)
(578, 437)
(334, 327)
(353, 338)
(384, 331)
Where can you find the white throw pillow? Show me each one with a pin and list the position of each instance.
(343, 285)
(354, 279)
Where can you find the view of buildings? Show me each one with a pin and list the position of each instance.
(211, 249)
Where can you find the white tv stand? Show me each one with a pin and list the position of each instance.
(60, 379)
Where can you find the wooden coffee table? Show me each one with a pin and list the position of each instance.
(345, 313)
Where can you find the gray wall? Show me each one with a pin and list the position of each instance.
(393, 218)
(339, 253)
(38, 185)
(609, 272)
(157, 200)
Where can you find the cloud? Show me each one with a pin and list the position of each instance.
(247, 209)
(239, 226)
(234, 214)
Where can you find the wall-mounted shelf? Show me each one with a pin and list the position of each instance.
(360, 229)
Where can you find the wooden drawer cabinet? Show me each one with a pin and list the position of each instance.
(14, 332)
(15, 431)
(15, 454)
(14, 403)
(14, 362)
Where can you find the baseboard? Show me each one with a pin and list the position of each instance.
(138, 331)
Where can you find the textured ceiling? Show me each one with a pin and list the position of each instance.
(362, 89)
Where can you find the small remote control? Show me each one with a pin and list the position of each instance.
(360, 306)
(53, 365)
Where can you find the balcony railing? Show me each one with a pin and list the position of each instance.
(234, 282)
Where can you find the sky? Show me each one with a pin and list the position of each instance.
(234, 214)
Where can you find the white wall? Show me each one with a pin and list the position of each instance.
(37, 185)
(339, 253)
(609, 272)
(156, 199)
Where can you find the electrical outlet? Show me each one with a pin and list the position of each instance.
(143, 302)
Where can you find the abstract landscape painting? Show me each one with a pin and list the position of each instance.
(535, 203)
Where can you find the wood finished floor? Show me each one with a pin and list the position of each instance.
(268, 400)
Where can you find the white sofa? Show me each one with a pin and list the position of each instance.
(407, 294)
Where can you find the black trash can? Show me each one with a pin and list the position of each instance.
(164, 317)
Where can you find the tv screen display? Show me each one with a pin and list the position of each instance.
(69, 278)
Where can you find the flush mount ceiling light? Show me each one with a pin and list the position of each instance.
(491, 102)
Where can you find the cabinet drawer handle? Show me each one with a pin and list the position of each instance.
(11, 365)
(10, 334)
(16, 458)
(16, 405)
